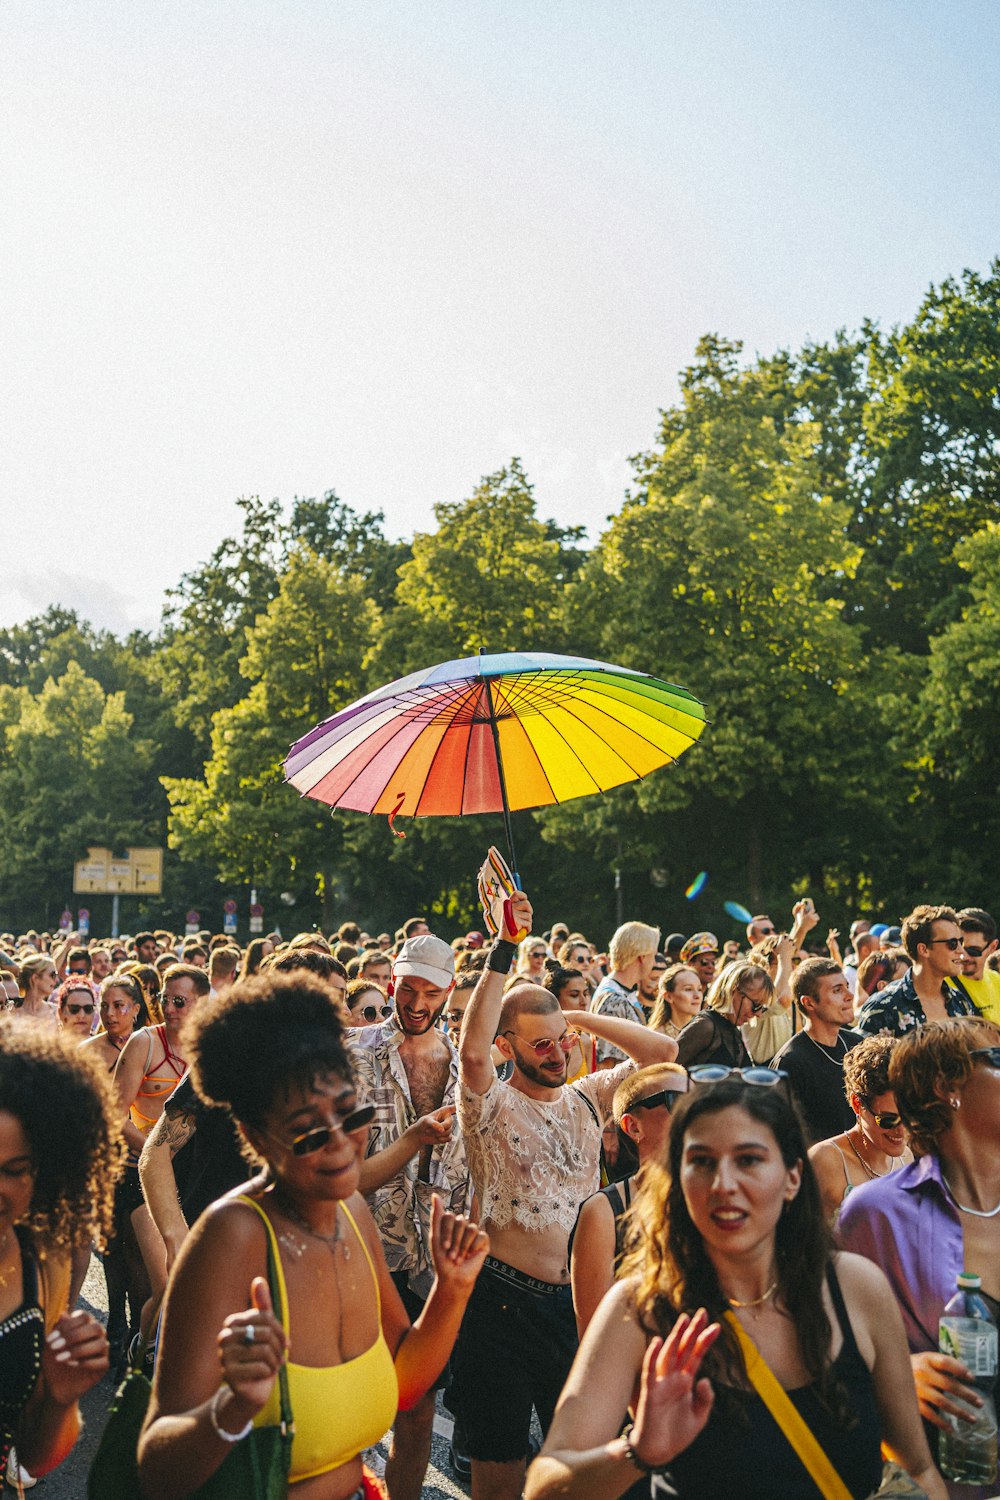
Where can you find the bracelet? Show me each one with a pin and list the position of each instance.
(501, 956)
(213, 1412)
(636, 1461)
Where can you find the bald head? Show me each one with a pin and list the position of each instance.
(526, 1000)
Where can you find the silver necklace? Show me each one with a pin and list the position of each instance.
(870, 1170)
(977, 1213)
(836, 1062)
(333, 1242)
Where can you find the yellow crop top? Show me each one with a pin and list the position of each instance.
(338, 1410)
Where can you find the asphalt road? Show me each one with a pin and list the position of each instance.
(69, 1481)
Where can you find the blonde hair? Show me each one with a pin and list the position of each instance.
(735, 977)
(630, 942)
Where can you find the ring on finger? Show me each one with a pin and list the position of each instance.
(249, 1334)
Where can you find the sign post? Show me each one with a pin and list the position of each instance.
(192, 923)
(140, 873)
(256, 918)
(229, 918)
(83, 922)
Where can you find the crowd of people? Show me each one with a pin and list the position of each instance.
(639, 1201)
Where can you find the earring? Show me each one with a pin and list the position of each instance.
(955, 1103)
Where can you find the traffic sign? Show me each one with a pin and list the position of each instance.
(256, 917)
(83, 922)
(192, 923)
(229, 905)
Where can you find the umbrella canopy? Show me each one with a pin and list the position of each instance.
(494, 732)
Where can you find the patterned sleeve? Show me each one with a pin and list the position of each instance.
(611, 1004)
(876, 1016)
(476, 1111)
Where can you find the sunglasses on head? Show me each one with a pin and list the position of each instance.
(374, 1012)
(666, 1098)
(314, 1140)
(889, 1119)
(990, 1055)
(718, 1072)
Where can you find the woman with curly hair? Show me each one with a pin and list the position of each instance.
(274, 1051)
(876, 1143)
(733, 1230)
(56, 1196)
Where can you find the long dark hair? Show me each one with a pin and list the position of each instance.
(675, 1274)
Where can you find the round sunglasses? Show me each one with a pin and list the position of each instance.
(372, 1013)
(718, 1072)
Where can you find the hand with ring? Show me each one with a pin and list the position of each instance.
(252, 1348)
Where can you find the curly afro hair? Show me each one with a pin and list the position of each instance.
(262, 1037)
(70, 1113)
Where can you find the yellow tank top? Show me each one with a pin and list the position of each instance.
(338, 1410)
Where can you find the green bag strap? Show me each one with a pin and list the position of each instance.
(277, 1300)
(764, 1381)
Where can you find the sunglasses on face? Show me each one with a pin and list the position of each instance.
(990, 1055)
(314, 1140)
(973, 952)
(717, 1072)
(371, 1013)
(666, 1098)
(177, 1001)
(886, 1120)
(951, 943)
(548, 1044)
(758, 1006)
(80, 1010)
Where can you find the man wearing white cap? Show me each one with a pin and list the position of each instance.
(408, 1069)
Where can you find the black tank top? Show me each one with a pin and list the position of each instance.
(753, 1459)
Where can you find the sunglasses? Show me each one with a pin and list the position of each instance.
(547, 1045)
(991, 1055)
(314, 1140)
(371, 1013)
(718, 1072)
(951, 943)
(973, 952)
(666, 1098)
(889, 1120)
(177, 1001)
(757, 1006)
(80, 1010)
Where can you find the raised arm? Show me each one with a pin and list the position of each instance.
(482, 1017)
(641, 1044)
(159, 1184)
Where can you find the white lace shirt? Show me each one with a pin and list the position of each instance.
(534, 1161)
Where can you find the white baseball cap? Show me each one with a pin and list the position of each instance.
(426, 957)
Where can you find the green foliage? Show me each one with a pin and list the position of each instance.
(811, 545)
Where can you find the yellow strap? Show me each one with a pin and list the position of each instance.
(776, 1399)
(371, 1266)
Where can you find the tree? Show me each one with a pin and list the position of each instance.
(724, 572)
(488, 578)
(304, 659)
(72, 773)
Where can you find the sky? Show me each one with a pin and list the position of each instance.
(277, 249)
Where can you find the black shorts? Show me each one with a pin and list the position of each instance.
(414, 1305)
(128, 1195)
(514, 1352)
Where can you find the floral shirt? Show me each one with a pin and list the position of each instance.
(897, 1008)
(613, 999)
(401, 1207)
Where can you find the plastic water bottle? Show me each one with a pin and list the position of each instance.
(967, 1451)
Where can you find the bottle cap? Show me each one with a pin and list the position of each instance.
(968, 1281)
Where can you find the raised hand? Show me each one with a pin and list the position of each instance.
(517, 915)
(458, 1248)
(74, 1357)
(252, 1348)
(674, 1404)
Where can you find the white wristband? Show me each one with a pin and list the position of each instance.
(220, 1431)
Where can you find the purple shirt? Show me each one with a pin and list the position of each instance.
(907, 1224)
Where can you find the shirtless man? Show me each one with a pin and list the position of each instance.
(534, 1151)
(408, 1068)
(149, 1069)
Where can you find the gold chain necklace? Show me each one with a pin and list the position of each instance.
(756, 1301)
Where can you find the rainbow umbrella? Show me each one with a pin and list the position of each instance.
(492, 733)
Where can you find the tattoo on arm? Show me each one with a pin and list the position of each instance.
(173, 1130)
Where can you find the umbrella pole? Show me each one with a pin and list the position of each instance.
(503, 790)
